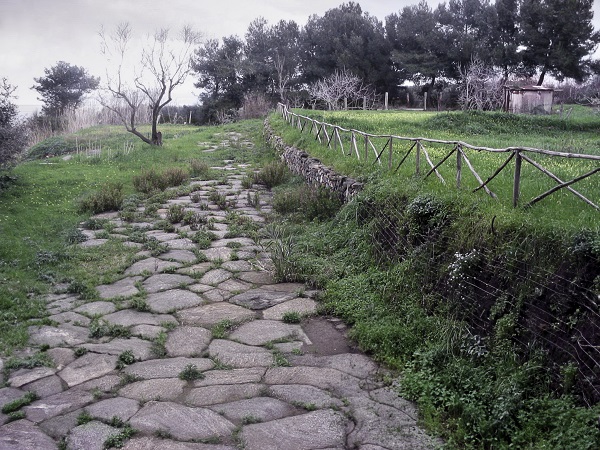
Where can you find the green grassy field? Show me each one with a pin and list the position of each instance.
(39, 211)
(577, 134)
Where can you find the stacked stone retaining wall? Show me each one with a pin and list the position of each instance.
(311, 169)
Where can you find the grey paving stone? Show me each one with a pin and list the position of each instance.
(289, 347)
(8, 394)
(58, 427)
(160, 389)
(120, 407)
(262, 409)
(184, 256)
(172, 300)
(89, 366)
(216, 276)
(315, 430)
(60, 303)
(147, 331)
(122, 288)
(231, 376)
(234, 286)
(97, 308)
(211, 314)
(166, 367)
(45, 387)
(92, 243)
(161, 236)
(129, 317)
(255, 277)
(187, 341)
(212, 395)
(57, 404)
(196, 269)
(154, 443)
(70, 317)
(304, 306)
(25, 376)
(238, 266)
(261, 298)
(199, 288)
(90, 436)
(135, 245)
(259, 332)
(24, 435)
(323, 378)
(302, 394)
(58, 336)
(142, 349)
(243, 242)
(181, 422)
(355, 364)
(217, 295)
(107, 383)
(240, 355)
(217, 253)
(181, 244)
(164, 281)
(150, 265)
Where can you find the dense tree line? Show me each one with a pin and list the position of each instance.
(429, 47)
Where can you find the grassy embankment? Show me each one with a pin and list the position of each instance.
(39, 212)
(481, 317)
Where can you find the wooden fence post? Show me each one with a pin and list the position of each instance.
(366, 147)
(391, 152)
(418, 158)
(425, 101)
(334, 139)
(458, 166)
(386, 101)
(517, 181)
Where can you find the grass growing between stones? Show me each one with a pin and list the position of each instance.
(40, 210)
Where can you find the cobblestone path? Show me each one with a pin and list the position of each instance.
(206, 360)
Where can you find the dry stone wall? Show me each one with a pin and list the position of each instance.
(313, 170)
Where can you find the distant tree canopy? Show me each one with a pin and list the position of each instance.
(427, 46)
(63, 86)
(13, 136)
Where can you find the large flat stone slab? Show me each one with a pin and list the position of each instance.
(211, 314)
(187, 341)
(161, 236)
(159, 389)
(303, 306)
(150, 265)
(256, 277)
(65, 335)
(259, 332)
(184, 256)
(24, 376)
(305, 396)
(315, 430)
(173, 300)
(181, 422)
(140, 348)
(322, 378)
(258, 409)
(164, 281)
(24, 435)
(58, 427)
(122, 288)
(130, 317)
(154, 443)
(167, 367)
(70, 317)
(238, 266)
(240, 355)
(181, 244)
(87, 367)
(231, 376)
(58, 404)
(120, 407)
(355, 364)
(215, 276)
(217, 253)
(217, 295)
(196, 269)
(45, 387)
(97, 308)
(212, 395)
(90, 436)
(260, 298)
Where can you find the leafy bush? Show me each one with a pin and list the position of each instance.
(54, 146)
(108, 198)
(175, 213)
(199, 168)
(150, 181)
(273, 174)
(309, 202)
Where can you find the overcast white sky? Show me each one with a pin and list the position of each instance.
(36, 34)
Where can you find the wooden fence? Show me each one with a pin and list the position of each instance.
(362, 144)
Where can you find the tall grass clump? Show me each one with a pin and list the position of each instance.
(108, 198)
(150, 181)
(273, 174)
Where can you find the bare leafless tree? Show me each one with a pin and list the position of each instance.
(480, 87)
(160, 66)
(341, 87)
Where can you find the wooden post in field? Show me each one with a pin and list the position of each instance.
(364, 103)
(366, 147)
(345, 103)
(517, 182)
(425, 101)
(458, 166)
(391, 152)
(334, 139)
(386, 101)
(418, 158)
(190, 119)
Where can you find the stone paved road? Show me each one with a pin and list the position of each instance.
(260, 384)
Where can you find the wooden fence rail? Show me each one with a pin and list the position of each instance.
(362, 144)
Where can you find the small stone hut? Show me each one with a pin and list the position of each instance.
(528, 99)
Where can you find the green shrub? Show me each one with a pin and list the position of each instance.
(191, 373)
(150, 181)
(273, 174)
(175, 213)
(53, 146)
(307, 202)
(199, 168)
(108, 198)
